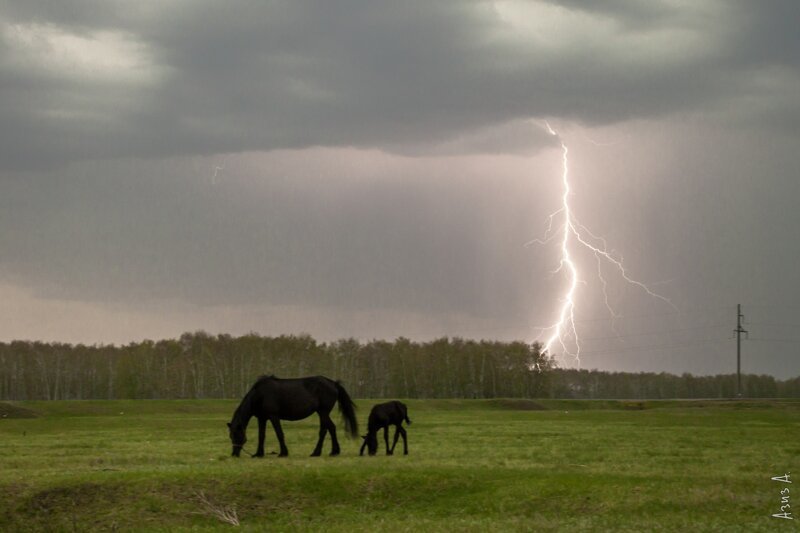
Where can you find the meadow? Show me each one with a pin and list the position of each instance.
(474, 465)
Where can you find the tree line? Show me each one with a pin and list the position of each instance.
(199, 365)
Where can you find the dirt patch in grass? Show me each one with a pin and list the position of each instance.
(8, 410)
(633, 406)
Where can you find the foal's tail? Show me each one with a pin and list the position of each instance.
(405, 414)
(348, 410)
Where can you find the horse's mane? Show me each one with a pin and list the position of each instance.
(262, 378)
(244, 405)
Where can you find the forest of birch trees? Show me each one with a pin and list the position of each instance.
(199, 365)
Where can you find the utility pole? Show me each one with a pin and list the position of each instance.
(738, 331)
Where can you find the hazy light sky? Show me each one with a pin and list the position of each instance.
(375, 169)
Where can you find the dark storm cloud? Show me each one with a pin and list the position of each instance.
(211, 77)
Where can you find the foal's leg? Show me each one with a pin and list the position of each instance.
(262, 430)
(386, 439)
(396, 435)
(405, 441)
(323, 429)
(276, 424)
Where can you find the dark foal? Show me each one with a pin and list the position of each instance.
(273, 399)
(384, 415)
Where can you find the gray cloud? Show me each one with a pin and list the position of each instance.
(310, 229)
(210, 78)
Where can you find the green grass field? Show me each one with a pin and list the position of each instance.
(474, 465)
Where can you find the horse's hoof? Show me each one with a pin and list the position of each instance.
(335, 453)
(283, 454)
(316, 454)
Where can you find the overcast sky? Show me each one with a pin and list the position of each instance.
(375, 169)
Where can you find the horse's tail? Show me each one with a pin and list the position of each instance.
(348, 410)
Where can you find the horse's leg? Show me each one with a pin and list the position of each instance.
(334, 441)
(386, 439)
(363, 445)
(262, 431)
(276, 425)
(323, 429)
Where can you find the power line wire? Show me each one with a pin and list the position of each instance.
(652, 347)
(644, 334)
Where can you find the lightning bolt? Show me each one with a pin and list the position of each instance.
(217, 170)
(563, 332)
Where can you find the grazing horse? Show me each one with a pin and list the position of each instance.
(384, 415)
(273, 399)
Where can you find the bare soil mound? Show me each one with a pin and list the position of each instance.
(9, 410)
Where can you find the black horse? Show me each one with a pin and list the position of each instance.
(384, 415)
(275, 399)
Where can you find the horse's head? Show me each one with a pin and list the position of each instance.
(238, 437)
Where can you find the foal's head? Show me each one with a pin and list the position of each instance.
(238, 437)
(371, 443)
